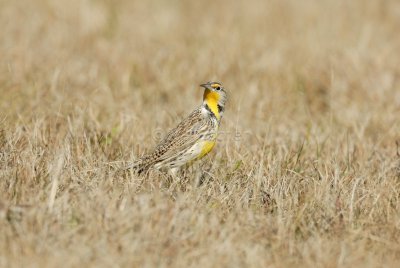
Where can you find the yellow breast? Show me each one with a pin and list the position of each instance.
(207, 147)
(212, 98)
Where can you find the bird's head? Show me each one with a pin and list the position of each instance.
(214, 97)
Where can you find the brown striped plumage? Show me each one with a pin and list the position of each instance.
(193, 138)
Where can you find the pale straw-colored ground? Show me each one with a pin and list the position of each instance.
(306, 171)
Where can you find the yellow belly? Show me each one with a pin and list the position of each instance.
(207, 147)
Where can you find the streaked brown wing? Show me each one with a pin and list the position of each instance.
(184, 136)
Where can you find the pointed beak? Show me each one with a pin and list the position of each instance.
(206, 85)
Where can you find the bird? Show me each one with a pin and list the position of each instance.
(192, 139)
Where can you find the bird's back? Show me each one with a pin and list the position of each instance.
(193, 138)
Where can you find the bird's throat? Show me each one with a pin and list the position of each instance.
(211, 99)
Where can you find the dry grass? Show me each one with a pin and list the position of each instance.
(306, 173)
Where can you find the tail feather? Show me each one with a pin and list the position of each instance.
(138, 166)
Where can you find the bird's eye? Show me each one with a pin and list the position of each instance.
(218, 88)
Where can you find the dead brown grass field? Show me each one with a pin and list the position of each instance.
(306, 171)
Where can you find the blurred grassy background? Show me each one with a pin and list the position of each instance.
(306, 171)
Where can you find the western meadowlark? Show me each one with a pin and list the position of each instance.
(193, 138)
